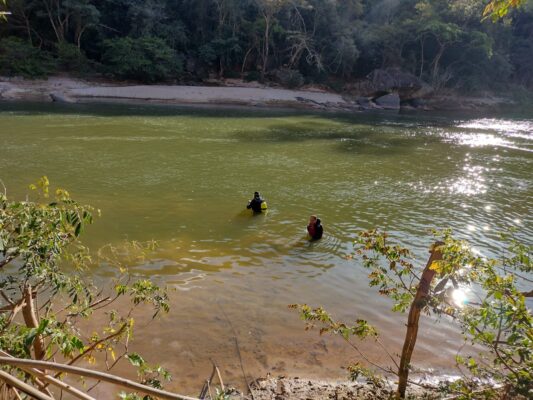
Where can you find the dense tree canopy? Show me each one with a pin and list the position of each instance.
(445, 43)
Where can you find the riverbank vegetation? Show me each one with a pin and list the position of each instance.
(493, 314)
(46, 298)
(333, 43)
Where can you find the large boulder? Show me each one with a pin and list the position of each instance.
(389, 101)
(395, 80)
(365, 103)
(390, 80)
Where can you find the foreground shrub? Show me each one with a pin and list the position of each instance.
(495, 315)
(47, 299)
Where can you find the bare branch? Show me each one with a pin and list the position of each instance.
(53, 381)
(93, 374)
(23, 387)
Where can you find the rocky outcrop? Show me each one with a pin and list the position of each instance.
(365, 103)
(388, 89)
(394, 80)
(388, 102)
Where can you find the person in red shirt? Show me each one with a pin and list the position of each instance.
(315, 228)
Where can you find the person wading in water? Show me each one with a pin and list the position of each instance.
(315, 228)
(257, 204)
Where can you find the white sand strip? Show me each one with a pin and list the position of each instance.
(204, 94)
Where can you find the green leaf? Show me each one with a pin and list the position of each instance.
(135, 359)
(78, 230)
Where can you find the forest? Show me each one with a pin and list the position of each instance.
(447, 44)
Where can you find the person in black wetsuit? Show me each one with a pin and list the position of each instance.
(315, 228)
(257, 204)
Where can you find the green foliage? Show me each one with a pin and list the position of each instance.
(444, 43)
(500, 320)
(207, 54)
(20, 58)
(219, 49)
(497, 9)
(150, 375)
(360, 329)
(357, 370)
(3, 16)
(44, 263)
(70, 58)
(252, 76)
(394, 279)
(221, 395)
(289, 77)
(146, 59)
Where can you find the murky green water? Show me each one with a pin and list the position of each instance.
(183, 177)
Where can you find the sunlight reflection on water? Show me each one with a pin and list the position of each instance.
(506, 133)
(183, 180)
(517, 128)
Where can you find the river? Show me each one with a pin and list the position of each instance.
(183, 176)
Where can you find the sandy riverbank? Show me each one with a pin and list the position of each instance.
(66, 89)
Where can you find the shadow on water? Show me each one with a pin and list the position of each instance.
(126, 109)
(111, 109)
(356, 138)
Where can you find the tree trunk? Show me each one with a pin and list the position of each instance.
(422, 41)
(244, 60)
(31, 321)
(436, 62)
(266, 46)
(79, 34)
(419, 302)
(51, 19)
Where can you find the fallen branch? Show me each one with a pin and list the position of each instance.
(16, 393)
(53, 381)
(220, 378)
(95, 375)
(23, 386)
(205, 388)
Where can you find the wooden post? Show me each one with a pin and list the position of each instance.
(417, 305)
